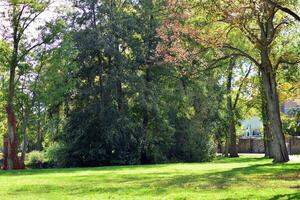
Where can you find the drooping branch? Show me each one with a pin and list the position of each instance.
(286, 10)
(216, 61)
(288, 62)
(280, 24)
(213, 64)
(242, 53)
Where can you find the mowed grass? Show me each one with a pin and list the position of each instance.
(247, 177)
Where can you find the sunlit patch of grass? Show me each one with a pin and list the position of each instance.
(246, 177)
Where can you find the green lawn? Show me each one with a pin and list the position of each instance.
(247, 177)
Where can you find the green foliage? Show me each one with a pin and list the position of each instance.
(98, 90)
(125, 111)
(54, 155)
(291, 123)
(36, 159)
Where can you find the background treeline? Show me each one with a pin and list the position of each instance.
(125, 108)
(102, 98)
(117, 82)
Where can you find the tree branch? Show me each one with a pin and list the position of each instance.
(280, 24)
(242, 53)
(30, 49)
(281, 61)
(240, 88)
(27, 23)
(286, 10)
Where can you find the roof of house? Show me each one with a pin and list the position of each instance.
(290, 104)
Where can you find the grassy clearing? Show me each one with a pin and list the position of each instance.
(247, 177)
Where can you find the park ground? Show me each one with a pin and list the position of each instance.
(246, 177)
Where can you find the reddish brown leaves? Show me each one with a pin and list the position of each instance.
(174, 29)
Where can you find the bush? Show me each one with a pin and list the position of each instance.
(36, 160)
(55, 155)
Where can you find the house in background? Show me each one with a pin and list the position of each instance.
(251, 127)
(289, 106)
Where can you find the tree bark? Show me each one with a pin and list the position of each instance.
(12, 160)
(280, 152)
(24, 134)
(40, 137)
(268, 140)
(226, 148)
(231, 118)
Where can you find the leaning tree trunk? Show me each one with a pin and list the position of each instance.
(280, 152)
(231, 121)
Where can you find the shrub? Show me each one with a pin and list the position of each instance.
(36, 160)
(55, 155)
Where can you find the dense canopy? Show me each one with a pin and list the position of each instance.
(118, 82)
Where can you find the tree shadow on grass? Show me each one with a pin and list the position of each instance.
(294, 196)
(219, 159)
(255, 173)
(30, 172)
(159, 183)
(241, 159)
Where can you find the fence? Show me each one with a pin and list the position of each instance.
(256, 145)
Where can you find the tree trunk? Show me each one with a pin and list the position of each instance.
(12, 160)
(226, 148)
(39, 142)
(231, 121)
(24, 134)
(5, 145)
(280, 152)
(233, 146)
(143, 155)
(266, 125)
(40, 137)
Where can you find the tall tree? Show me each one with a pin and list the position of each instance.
(21, 15)
(260, 24)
